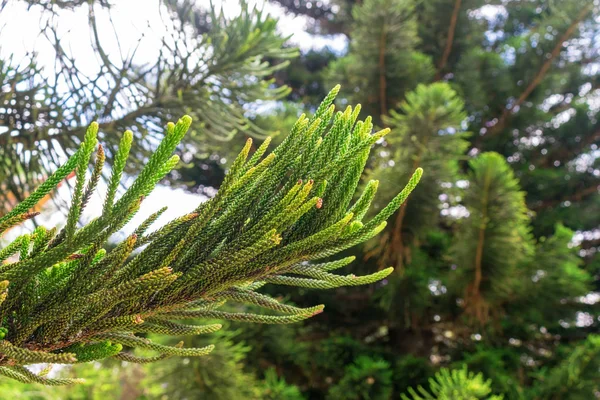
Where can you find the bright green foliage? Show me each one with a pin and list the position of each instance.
(454, 385)
(366, 378)
(71, 301)
(498, 365)
(497, 226)
(541, 280)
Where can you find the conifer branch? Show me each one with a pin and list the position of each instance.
(498, 225)
(23, 375)
(68, 300)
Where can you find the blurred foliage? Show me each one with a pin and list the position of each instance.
(366, 378)
(218, 376)
(382, 63)
(576, 377)
(275, 387)
(454, 384)
(497, 225)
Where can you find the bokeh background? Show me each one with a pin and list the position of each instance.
(496, 251)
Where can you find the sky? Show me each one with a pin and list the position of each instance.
(132, 19)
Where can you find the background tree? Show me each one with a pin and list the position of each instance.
(383, 62)
(206, 65)
(429, 135)
(497, 225)
(527, 75)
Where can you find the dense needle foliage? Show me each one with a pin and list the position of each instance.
(65, 299)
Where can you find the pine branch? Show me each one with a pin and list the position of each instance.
(498, 225)
(68, 300)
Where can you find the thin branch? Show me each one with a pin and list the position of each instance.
(475, 303)
(382, 78)
(564, 153)
(539, 77)
(588, 244)
(575, 197)
(449, 40)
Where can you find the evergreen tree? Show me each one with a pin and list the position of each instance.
(527, 75)
(497, 225)
(541, 280)
(67, 300)
(208, 66)
(428, 133)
